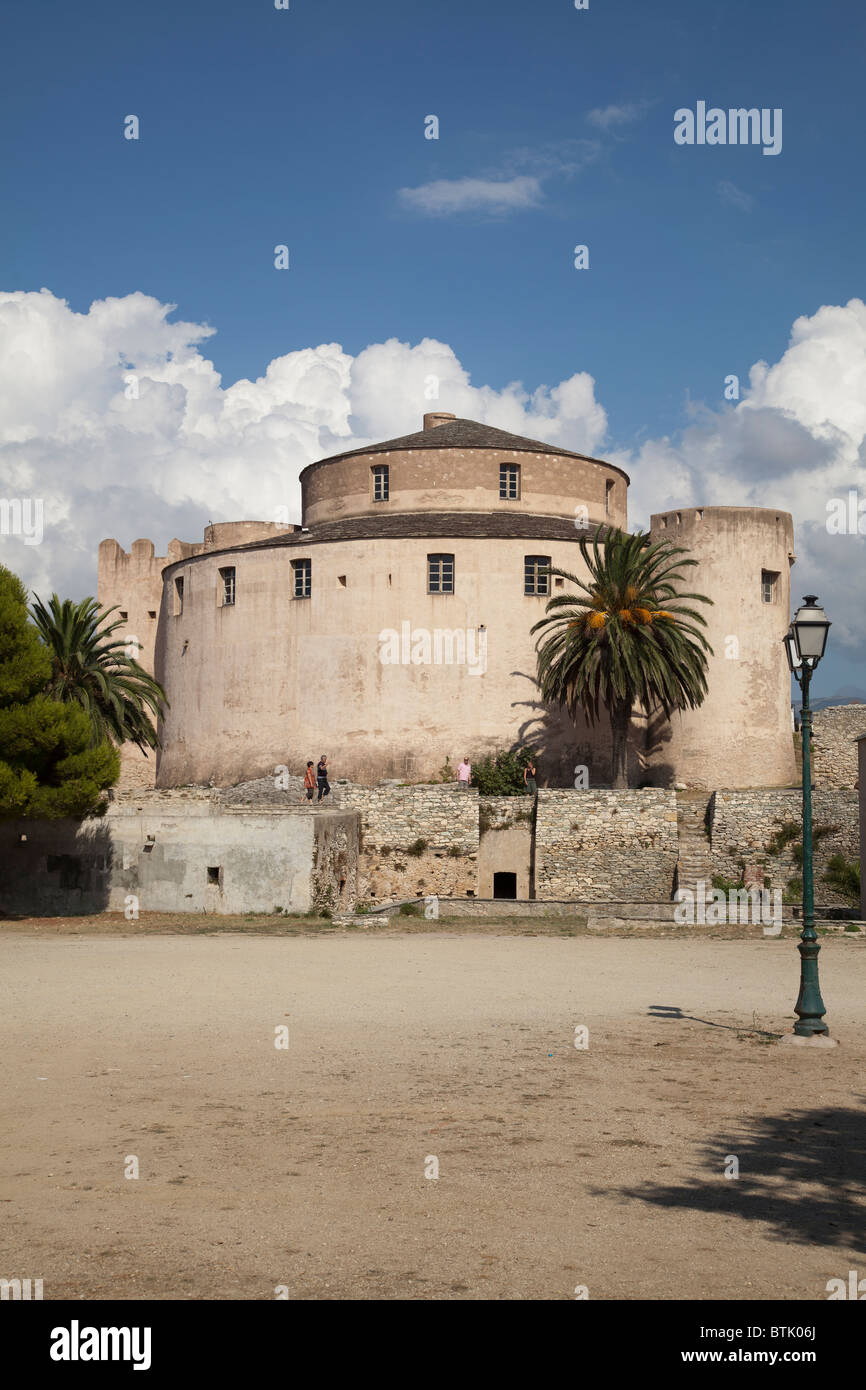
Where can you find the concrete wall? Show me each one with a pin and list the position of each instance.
(834, 744)
(262, 862)
(741, 736)
(606, 845)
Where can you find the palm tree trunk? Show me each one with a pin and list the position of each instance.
(620, 722)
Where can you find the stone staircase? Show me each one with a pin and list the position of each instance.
(694, 863)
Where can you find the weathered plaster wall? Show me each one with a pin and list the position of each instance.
(742, 735)
(463, 480)
(262, 862)
(273, 679)
(505, 843)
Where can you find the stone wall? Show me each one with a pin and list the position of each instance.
(439, 823)
(334, 880)
(834, 750)
(606, 845)
(744, 823)
(397, 816)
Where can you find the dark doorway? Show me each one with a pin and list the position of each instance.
(505, 885)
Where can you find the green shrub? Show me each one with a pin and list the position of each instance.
(843, 877)
(409, 910)
(501, 774)
(417, 848)
(787, 832)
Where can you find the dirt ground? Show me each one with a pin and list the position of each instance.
(303, 1168)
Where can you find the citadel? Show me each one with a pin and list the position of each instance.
(391, 630)
(275, 642)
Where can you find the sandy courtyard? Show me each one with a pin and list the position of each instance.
(305, 1167)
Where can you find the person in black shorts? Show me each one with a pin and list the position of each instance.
(322, 778)
(309, 781)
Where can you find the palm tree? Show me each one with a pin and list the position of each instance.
(90, 667)
(628, 638)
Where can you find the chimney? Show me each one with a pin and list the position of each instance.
(437, 417)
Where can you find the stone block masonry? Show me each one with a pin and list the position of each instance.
(605, 845)
(437, 822)
(834, 745)
(745, 823)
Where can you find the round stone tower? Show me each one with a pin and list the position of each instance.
(393, 630)
(741, 736)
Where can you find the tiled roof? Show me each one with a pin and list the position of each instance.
(461, 434)
(419, 526)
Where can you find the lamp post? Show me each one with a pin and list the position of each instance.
(804, 646)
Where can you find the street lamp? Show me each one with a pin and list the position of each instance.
(804, 642)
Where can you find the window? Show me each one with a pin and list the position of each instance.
(123, 616)
(536, 579)
(509, 480)
(178, 597)
(341, 581)
(302, 578)
(228, 590)
(768, 585)
(151, 612)
(440, 574)
(213, 873)
(380, 482)
(608, 494)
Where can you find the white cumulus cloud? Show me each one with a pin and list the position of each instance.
(188, 450)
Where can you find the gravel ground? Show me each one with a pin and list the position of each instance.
(305, 1167)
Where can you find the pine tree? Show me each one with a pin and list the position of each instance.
(49, 767)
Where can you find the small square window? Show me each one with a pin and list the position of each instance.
(123, 616)
(302, 578)
(151, 612)
(509, 481)
(213, 874)
(440, 574)
(341, 580)
(381, 486)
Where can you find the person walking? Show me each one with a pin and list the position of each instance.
(464, 774)
(529, 778)
(322, 778)
(309, 781)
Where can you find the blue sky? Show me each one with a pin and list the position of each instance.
(306, 126)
